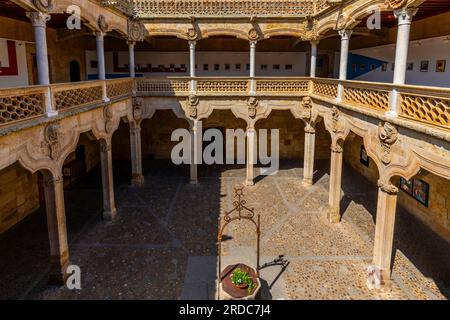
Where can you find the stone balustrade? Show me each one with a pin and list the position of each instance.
(422, 105)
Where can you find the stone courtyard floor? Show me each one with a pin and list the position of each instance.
(163, 243)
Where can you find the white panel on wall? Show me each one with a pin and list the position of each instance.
(21, 79)
(430, 50)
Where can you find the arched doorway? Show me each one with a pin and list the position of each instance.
(75, 74)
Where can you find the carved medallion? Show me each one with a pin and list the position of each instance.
(192, 102)
(52, 137)
(252, 104)
(43, 5)
(136, 30)
(253, 35)
(310, 31)
(102, 24)
(388, 135)
(192, 34)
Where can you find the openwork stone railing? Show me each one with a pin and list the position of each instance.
(226, 8)
(427, 105)
(22, 103)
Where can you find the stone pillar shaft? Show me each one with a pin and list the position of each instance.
(109, 206)
(345, 42)
(57, 232)
(313, 58)
(251, 156)
(384, 229)
(100, 55)
(38, 21)
(132, 65)
(308, 166)
(136, 155)
(192, 45)
(252, 66)
(335, 184)
(196, 151)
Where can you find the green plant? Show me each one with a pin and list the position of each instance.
(239, 277)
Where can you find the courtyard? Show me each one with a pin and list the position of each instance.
(163, 243)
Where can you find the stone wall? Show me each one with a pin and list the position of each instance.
(436, 215)
(19, 195)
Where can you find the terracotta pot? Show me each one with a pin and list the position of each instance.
(241, 286)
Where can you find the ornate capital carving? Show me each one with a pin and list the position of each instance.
(51, 181)
(309, 128)
(387, 187)
(252, 104)
(193, 102)
(253, 35)
(138, 104)
(38, 19)
(52, 139)
(102, 24)
(43, 5)
(336, 148)
(136, 30)
(108, 116)
(395, 4)
(105, 146)
(405, 15)
(345, 34)
(192, 34)
(388, 135)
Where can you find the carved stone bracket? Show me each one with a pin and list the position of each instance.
(138, 111)
(306, 111)
(108, 116)
(396, 4)
(102, 24)
(192, 34)
(253, 35)
(105, 146)
(52, 140)
(252, 104)
(335, 114)
(388, 135)
(136, 30)
(193, 102)
(387, 187)
(43, 5)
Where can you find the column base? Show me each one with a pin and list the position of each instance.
(307, 182)
(391, 114)
(110, 215)
(137, 180)
(50, 114)
(333, 215)
(377, 278)
(193, 182)
(249, 183)
(58, 271)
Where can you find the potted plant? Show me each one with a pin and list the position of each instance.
(241, 279)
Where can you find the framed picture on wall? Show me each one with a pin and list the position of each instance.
(424, 64)
(364, 158)
(421, 191)
(440, 65)
(406, 186)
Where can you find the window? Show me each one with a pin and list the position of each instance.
(216, 67)
(237, 66)
(247, 66)
(288, 67)
(205, 67)
(276, 67)
(373, 67)
(264, 67)
(227, 66)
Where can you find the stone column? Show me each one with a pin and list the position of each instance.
(109, 205)
(252, 66)
(334, 215)
(384, 229)
(131, 64)
(314, 44)
(308, 166)
(251, 155)
(196, 149)
(100, 55)
(57, 232)
(137, 179)
(404, 17)
(192, 45)
(345, 41)
(38, 21)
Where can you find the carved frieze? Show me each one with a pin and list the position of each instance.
(387, 187)
(388, 135)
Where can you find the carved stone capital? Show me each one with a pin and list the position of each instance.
(344, 22)
(388, 135)
(43, 5)
(309, 128)
(105, 146)
(405, 15)
(345, 34)
(102, 24)
(387, 187)
(336, 148)
(38, 19)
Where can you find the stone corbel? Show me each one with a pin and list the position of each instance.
(138, 106)
(44, 6)
(102, 24)
(389, 188)
(388, 135)
(192, 102)
(108, 116)
(136, 30)
(252, 104)
(52, 140)
(395, 4)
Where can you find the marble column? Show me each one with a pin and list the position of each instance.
(100, 55)
(252, 66)
(314, 44)
(384, 229)
(192, 45)
(57, 232)
(251, 155)
(334, 215)
(131, 61)
(38, 21)
(109, 205)
(196, 150)
(345, 42)
(137, 178)
(308, 166)
(404, 16)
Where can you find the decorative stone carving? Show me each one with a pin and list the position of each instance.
(336, 148)
(306, 108)
(396, 4)
(193, 102)
(43, 5)
(105, 146)
(192, 34)
(309, 128)
(387, 187)
(373, 277)
(252, 105)
(343, 22)
(38, 19)
(388, 135)
(52, 137)
(102, 24)
(138, 104)
(310, 31)
(136, 30)
(335, 114)
(108, 116)
(253, 35)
